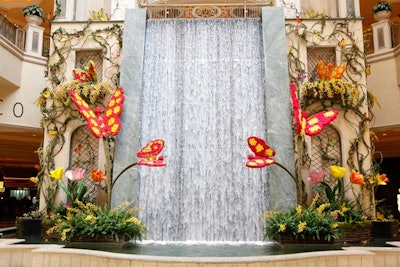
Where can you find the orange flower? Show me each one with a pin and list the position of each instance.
(356, 178)
(382, 179)
(98, 176)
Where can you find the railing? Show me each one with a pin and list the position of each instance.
(17, 36)
(395, 34)
(12, 33)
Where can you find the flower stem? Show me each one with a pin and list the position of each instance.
(119, 175)
(283, 167)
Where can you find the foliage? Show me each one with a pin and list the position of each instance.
(34, 10)
(343, 93)
(381, 6)
(93, 221)
(54, 100)
(34, 214)
(314, 222)
(342, 209)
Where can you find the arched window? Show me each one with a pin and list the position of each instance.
(84, 153)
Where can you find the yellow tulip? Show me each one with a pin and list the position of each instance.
(337, 172)
(57, 174)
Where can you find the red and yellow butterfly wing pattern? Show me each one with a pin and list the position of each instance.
(113, 111)
(296, 108)
(262, 152)
(87, 75)
(102, 124)
(149, 154)
(87, 113)
(317, 122)
(313, 125)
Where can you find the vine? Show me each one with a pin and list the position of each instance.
(349, 95)
(54, 101)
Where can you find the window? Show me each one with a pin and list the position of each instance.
(315, 54)
(83, 57)
(84, 153)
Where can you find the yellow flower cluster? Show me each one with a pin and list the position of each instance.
(345, 93)
(321, 208)
(301, 227)
(299, 209)
(91, 92)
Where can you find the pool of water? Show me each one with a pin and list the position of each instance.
(205, 250)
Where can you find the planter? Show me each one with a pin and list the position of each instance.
(360, 232)
(284, 239)
(33, 19)
(48, 237)
(385, 229)
(382, 15)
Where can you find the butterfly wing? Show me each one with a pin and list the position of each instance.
(91, 71)
(338, 71)
(259, 147)
(297, 113)
(113, 111)
(87, 113)
(322, 69)
(316, 123)
(149, 154)
(259, 162)
(81, 75)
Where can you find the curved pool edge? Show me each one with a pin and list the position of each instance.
(50, 255)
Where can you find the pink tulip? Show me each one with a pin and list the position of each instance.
(75, 175)
(316, 177)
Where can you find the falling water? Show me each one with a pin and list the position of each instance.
(203, 94)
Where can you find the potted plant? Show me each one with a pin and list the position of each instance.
(382, 10)
(33, 14)
(91, 223)
(314, 224)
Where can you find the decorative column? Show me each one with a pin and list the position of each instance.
(33, 39)
(382, 36)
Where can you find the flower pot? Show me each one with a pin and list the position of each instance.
(385, 229)
(33, 19)
(359, 232)
(381, 15)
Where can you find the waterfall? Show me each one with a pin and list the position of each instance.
(203, 93)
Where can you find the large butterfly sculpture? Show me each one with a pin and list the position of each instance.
(149, 154)
(262, 153)
(87, 75)
(313, 125)
(101, 124)
(326, 72)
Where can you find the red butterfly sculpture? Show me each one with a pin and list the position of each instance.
(149, 154)
(87, 75)
(262, 152)
(313, 125)
(102, 124)
(328, 71)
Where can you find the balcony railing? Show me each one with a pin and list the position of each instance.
(12, 33)
(17, 36)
